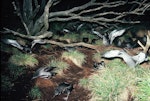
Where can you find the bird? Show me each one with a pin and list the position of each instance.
(139, 58)
(15, 44)
(111, 54)
(66, 30)
(65, 88)
(103, 37)
(37, 41)
(97, 33)
(131, 61)
(105, 40)
(69, 48)
(99, 65)
(44, 72)
(115, 33)
(79, 27)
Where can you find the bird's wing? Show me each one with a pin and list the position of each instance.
(111, 54)
(115, 34)
(13, 43)
(97, 33)
(139, 58)
(39, 41)
(127, 59)
(105, 41)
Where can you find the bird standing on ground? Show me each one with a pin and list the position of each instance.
(63, 87)
(44, 72)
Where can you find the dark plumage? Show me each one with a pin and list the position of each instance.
(99, 65)
(65, 88)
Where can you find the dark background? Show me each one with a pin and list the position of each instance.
(9, 19)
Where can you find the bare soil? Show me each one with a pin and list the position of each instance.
(71, 75)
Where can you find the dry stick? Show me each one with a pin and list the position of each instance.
(44, 35)
(60, 44)
(146, 47)
(72, 14)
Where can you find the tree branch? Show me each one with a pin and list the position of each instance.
(44, 35)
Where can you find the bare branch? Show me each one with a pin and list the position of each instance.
(41, 25)
(147, 46)
(44, 35)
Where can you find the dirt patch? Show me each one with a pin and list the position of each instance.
(71, 75)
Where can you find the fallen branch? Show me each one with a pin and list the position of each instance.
(44, 35)
(60, 44)
(147, 46)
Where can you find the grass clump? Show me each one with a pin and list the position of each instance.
(99, 42)
(59, 64)
(109, 84)
(88, 35)
(73, 37)
(35, 93)
(97, 56)
(75, 56)
(143, 86)
(21, 59)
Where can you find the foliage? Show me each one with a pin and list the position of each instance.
(77, 57)
(97, 56)
(99, 42)
(35, 93)
(21, 59)
(85, 34)
(15, 71)
(59, 64)
(143, 84)
(83, 82)
(109, 83)
(6, 84)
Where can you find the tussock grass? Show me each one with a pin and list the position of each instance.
(99, 42)
(97, 56)
(76, 57)
(110, 83)
(61, 65)
(35, 93)
(21, 59)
